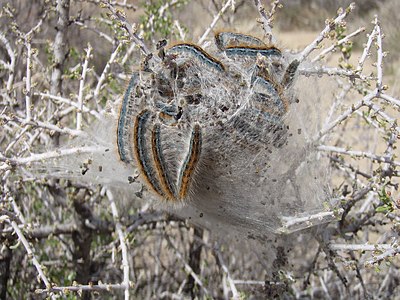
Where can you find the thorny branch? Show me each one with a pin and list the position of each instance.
(329, 26)
(267, 18)
(119, 15)
(152, 246)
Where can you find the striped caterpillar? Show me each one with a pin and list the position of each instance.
(202, 128)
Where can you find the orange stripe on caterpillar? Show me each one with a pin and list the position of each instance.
(140, 150)
(190, 163)
(199, 53)
(160, 164)
(226, 39)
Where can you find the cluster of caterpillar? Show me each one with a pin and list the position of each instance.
(178, 82)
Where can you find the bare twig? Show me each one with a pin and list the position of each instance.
(100, 33)
(366, 50)
(181, 32)
(390, 99)
(379, 62)
(124, 249)
(214, 21)
(267, 19)
(330, 25)
(338, 43)
(69, 102)
(31, 254)
(81, 87)
(323, 70)
(378, 158)
(52, 154)
(235, 294)
(105, 72)
(45, 125)
(385, 255)
(28, 103)
(79, 288)
(187, 267)
(364, 101)
(355, 247)
(128, 27)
